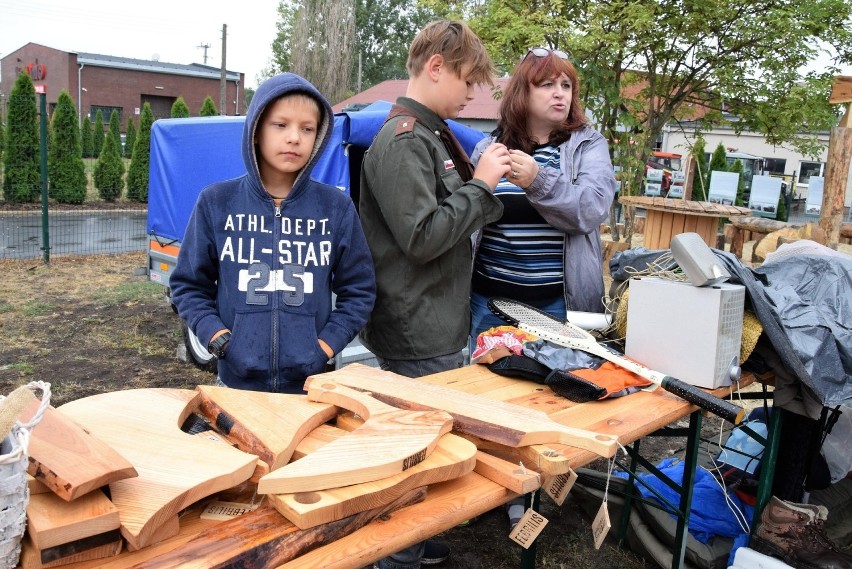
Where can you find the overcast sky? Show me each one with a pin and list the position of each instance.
(169, 30)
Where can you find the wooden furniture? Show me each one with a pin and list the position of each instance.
(666, 218)
(450, 503)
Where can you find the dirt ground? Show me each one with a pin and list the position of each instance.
(96, 324)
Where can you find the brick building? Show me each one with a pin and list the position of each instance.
(104, 82)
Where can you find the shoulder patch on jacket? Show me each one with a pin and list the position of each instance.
(405, 124)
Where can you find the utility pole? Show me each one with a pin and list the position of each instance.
(204, 46)
(222, 73)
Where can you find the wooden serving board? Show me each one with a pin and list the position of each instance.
(68, 459)
(452, 458)
(175, 469)
(269, 425)
(389, 442)
(52, 521)
(262, 538)
(497, 421)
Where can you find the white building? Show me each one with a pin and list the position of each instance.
(779, 160)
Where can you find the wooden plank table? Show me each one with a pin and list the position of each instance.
(450, 503)
(668, 217)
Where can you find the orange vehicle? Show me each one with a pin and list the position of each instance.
(667, 162)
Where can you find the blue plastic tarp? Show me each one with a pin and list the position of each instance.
(189, 154)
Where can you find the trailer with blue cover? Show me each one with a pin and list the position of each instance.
(188, 154)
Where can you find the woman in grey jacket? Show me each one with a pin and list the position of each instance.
(545, 250)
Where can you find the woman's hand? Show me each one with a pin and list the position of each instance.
(524, 168)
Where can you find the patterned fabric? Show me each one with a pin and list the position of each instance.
(521, 255)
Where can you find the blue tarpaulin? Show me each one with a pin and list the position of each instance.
(188, 154)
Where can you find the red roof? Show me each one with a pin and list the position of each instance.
(483, 105)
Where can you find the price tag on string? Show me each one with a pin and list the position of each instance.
(530, 525)
(558, 487)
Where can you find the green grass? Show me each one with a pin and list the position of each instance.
(5, 307)
(128, 292)
(37, 308)
(23, 368)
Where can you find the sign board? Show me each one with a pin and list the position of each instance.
(813, 203)
(676, 191)
(652, 189)
(654, 175)
(764, 197)
(40, 89)
(723, 187)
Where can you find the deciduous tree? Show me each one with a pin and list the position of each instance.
(66, 171)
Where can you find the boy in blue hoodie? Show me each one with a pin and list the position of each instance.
(264, 252)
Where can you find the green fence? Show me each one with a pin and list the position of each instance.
(37, 218)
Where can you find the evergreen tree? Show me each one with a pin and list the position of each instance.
(109, 171)
(699, 164)
(115, 129)
(179, 109)
(137, 174)
(208, 108)
(86, 139)
(21, 160)
(718, 162)
(98, 135)
(65, 166)
(2, 141)
(737, 168)
(129, 138)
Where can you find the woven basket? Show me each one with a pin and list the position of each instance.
(14, 492)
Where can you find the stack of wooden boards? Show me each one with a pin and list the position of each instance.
(116, 470)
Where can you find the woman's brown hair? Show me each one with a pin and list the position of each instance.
(514, 108)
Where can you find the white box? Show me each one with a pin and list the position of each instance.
(688, 332)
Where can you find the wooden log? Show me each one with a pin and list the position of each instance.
(836, 174)
(263, 538)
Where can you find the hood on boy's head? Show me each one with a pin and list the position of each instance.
(271, 90)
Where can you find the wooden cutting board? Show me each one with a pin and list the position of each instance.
(69, 460)
(52, 522)
(497, 421)
(269, 425)
(390, 441)
(452, 458)
(175, 468)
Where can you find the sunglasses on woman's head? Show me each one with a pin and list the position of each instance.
(544, 52)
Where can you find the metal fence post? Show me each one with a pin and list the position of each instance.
(45, 224)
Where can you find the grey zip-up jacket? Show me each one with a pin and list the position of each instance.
(576, 200)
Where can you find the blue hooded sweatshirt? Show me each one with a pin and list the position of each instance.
(267, 273)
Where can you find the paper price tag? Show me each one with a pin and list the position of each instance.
(558, 487)
(217, 510)
(528, 528)
(601, 525)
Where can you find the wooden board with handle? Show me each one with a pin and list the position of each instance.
(68, 459)
(269, 425)
(452, 458)
(497, 421)
(390, 441)
(175, 468)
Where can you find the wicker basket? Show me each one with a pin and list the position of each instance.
(14, 492)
